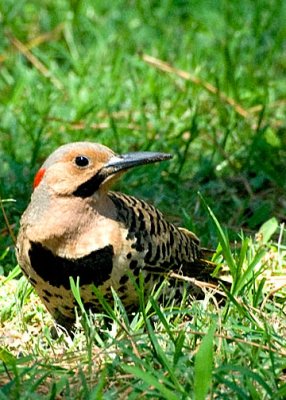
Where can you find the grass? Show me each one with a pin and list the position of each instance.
(204, 81)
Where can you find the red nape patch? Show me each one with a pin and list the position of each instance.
(38, 177)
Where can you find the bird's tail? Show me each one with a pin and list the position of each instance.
(202, 268)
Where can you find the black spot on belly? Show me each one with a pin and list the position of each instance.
(33, 281)
(148, 255)
(91, 306)
(133, 264)
(121, 289)
(63, 319)
(93, 268)
(136, 271)
(139, 245)
(123, 279)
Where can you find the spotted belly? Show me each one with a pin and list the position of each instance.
(50, 275)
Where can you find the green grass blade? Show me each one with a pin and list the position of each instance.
(268, 229)
(76, 292)
(162, 357)
(7, 357)
(242, 254)
(179, 343)
(223, 239)
(246, 372)
(13, 274)
(97, 392)
(246, 275)
(162, 318)
(280, 393)
(105, 305)
(204, 366)
(236, 389)
(151, 380)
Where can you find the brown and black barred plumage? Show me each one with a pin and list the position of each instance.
(75, 227)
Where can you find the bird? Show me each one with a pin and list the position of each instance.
(75, 226)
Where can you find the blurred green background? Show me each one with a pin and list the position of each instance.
(77, 70)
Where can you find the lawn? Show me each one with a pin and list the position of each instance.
(204, 81)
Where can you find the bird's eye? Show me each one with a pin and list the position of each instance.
(81, 161)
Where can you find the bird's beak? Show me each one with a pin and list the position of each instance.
(129, 160)
(116, 164)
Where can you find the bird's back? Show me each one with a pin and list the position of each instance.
(158, 245)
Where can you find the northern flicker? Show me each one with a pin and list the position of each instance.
(74, 226)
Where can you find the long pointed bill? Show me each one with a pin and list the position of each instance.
(129, 160)
(116, 164)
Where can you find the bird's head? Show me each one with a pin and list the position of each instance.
(82, 169)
